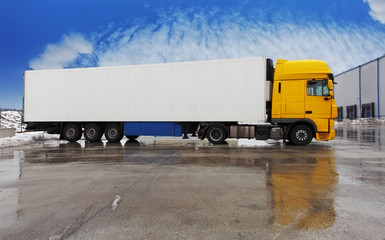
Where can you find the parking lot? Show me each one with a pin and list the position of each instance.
(168, 188)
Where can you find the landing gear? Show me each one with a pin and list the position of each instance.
(131, 137)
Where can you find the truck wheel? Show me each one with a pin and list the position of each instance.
(301, 135)
(92, 132)
(216, 134)
(113, 132)
(72, 132)
(131, 137)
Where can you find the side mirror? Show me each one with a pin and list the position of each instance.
(330, 86)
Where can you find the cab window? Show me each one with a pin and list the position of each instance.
(317, 88)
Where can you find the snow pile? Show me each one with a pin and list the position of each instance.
(25, 138)
(362, 121)
(11, 119)
(256, 143)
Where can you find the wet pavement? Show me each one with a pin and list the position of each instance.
(190, 189)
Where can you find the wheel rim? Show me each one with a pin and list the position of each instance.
(301, 135)
(70, 132)
(216, 134)
(112, 132)
(91, 132)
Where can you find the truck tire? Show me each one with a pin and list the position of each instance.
(113, 132)
(93, 132)
(301, 135)
(216, 134)
(72, 132)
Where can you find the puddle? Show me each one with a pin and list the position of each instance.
(10, 172)
(366, 135)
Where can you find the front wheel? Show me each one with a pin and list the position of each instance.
(301, 135)
(113, 132)
(216, 134)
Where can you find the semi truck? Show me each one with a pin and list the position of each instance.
(217, 99)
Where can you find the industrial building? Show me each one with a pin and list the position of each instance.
(358, 92)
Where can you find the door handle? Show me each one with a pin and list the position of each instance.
(309, 112)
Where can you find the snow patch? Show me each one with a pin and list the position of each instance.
(115, 203)
(362, 121)
(56, 237)
(25, 138)
(11, 119)
(256, 143)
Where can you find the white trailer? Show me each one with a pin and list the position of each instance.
(220, 90)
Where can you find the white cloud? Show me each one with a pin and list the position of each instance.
(62, 54)
(377, 10)
(182, 36)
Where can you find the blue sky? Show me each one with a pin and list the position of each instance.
(43, 34)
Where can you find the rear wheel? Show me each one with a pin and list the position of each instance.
(216, 134)
(301, 135)
(113, 132)
(93, 132)
(72, 132)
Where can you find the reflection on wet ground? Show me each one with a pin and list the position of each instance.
(301, 184)
(370, 135)
(9, 172)
(303, 192)
(194, 153)
(302, 187)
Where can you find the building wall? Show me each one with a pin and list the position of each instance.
(339, 90)
(347, 90)
(369, 84)
(362, 85)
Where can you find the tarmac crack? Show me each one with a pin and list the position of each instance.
(92, 211)
(89, 213)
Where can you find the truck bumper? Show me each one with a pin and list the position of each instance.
(322, 136)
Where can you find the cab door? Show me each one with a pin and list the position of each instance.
(318, 103)
(293, 99)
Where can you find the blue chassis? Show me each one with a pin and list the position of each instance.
(152, 129)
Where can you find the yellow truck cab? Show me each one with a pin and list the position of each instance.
(302, 100)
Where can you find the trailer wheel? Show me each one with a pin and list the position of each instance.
(93, 132)
(113, 132)
(301, 135)
(72, 132)
(131, 137)
(216, 134)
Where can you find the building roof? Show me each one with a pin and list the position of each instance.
(383, 56)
